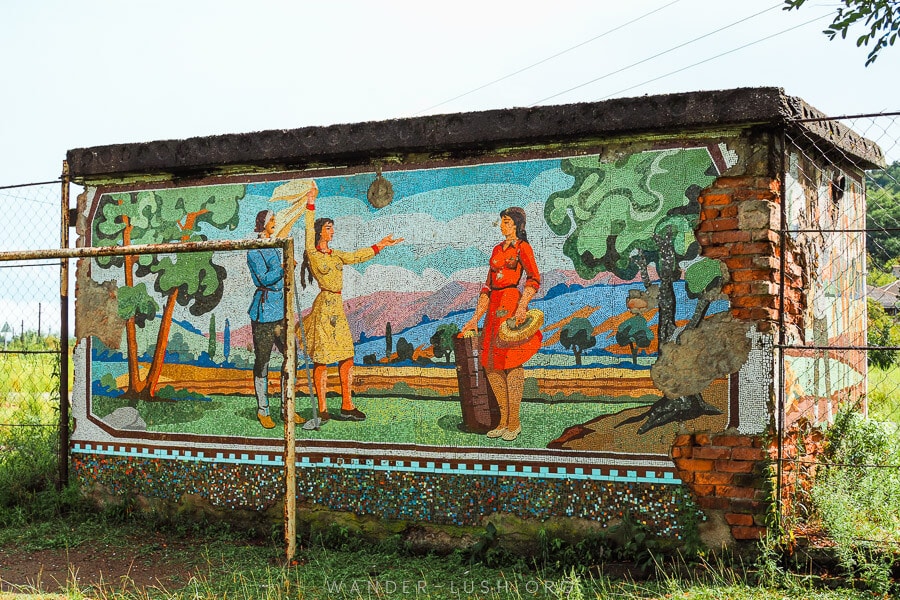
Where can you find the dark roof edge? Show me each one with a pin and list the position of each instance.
(438, 133)
(861, 151)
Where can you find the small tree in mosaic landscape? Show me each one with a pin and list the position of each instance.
(190, 279)
(211, 343)
(622, 217)
(634, 333)
(578, 336)
(226, 340)
(405, 349)
(442, 340)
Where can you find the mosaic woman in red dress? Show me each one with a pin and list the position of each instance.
(500, 300)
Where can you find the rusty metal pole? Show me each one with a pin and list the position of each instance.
(63, 457)
(782, 336)
(138, 249)
(288, 390)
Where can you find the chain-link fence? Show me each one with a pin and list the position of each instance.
(32, 328)
(838, 375)
(839, 381)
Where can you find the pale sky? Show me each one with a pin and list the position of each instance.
(93, 72)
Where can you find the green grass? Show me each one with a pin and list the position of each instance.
(27, 378)
(221, 563)
(29, 383)
(397, 420)
(857, 496)
(29, 415)
(216, 561)
(884, 394)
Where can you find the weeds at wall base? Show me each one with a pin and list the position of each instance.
(232, 565)
(625, 557)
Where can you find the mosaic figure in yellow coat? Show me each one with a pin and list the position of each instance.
(327, 331)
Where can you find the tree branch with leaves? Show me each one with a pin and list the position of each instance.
(879, 18)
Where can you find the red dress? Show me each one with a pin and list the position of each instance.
(502, 287)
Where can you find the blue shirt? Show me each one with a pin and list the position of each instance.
(268, 277)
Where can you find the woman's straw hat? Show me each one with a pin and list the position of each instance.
(512, 334)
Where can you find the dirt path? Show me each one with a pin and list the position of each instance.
(150, 562)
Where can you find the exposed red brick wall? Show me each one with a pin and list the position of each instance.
(739, 225)
(801, 451)
(739, 222)
(727, 472)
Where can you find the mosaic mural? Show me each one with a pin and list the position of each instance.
(823, 205)
(530, 307)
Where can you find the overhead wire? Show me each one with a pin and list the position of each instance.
(549, 58)
(727, 52)
(658, 54)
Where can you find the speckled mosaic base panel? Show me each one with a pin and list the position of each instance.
(439, 498)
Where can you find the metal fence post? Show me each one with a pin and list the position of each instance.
(63, 478)
(288, 379)
(782, 265)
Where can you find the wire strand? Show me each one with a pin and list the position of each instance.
(842, 117)
(35, 264)
(21, 185)
(833, 464)
(768, 37)
(657, 55)
(549, 58)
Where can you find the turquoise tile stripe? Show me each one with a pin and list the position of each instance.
(305, 462)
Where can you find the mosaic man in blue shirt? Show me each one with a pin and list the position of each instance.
(266, 313)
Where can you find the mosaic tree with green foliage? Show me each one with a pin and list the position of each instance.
(578, 336)
(189, 279)
(211, 342)
(623, 217)
(442, 340)
(226, 340)
(634, 333)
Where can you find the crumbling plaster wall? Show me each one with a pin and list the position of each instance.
(824, 292)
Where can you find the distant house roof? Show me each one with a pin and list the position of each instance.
(287, 149)
(886, 295)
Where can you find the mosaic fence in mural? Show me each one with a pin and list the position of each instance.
(519, 319)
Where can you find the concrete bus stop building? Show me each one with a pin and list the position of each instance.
(662, 266)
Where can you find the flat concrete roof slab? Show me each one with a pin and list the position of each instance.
(472, 131)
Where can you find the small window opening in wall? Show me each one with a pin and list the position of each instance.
(838, 183)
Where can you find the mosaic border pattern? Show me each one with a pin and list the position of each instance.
(418, 465)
